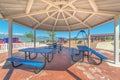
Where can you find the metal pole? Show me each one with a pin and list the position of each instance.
(34, 38)
(116, 39)
(52, 36)
(89, 37)
(69, 39)
(10, 39)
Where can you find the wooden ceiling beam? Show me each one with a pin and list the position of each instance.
(77, 19)
(1, 16)
(31, 13)
(37, 25)
(34, 19)
(66, 21)
(50, 3)
(69, 4)
(110, 20)
(89, 17)
(93, 5)
(56, 20)
(29, 6)
(101, 12)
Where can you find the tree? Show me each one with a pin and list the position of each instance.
(51, 34)
(30, 36)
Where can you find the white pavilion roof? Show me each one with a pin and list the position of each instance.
(60, 15)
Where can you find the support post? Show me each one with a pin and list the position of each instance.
(10, 38)
(52, 36)
(34, 38)
(69, 39)
(116, 40)
(89, 38)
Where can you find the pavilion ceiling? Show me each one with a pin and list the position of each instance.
(60, 15)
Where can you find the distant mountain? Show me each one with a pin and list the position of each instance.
(23, 38)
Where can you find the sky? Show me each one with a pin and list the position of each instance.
(21, 30)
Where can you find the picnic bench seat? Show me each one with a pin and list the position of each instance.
(93, 60)
(74, 54)
(101, 56)
(39, 65)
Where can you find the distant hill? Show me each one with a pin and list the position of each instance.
(23, 38)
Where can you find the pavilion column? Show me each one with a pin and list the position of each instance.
(116, 39)
(34, 38)
(69, 39)
(10, 38)
(52, 36)
(89, 37)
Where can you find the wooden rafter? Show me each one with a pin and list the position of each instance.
(49, 6)
(37, 25)
(29, 6)
(34, 19)
(93, 5)
(89, 17)
(56, 20)
(60, 2)
(22, 24)
(73, 7)
(101, 12)
(103, 23)
(1, 16)
(10, 9)
(77, 19)
(50, 3)
(69, 4)
(75, 24)
(66, 21)
(74, 13)
(101, 17)
(31, 13)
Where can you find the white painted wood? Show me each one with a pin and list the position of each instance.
(89, 17)
(77, 19)
(37, 25)
(101, 12)
(10, 38)
(29, 6)
(49, 6)
(34, 19)
(93, 5)
(1, 15)
(50, 3)
(116, 39)
(56, 20)
(103, 23)
(66, 21)
(69, 4)
(69, 39)
(10, 10)
(31, 13)
(52, 36)
(89, 37)
(34, 38)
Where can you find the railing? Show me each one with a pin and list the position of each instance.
(16, 46)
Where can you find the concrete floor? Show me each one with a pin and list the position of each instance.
(61, 68)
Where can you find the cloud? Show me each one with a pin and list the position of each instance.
(3, 33)
(18, 34)
(13, 33)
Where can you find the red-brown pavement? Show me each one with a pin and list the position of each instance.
(61, 68)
